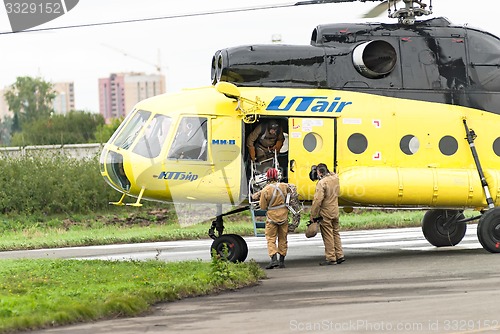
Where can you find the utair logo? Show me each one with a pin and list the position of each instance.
(307, 103)
(181, 176)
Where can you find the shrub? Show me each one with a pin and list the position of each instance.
(52, 184)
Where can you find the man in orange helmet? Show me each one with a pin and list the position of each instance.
(273, 199)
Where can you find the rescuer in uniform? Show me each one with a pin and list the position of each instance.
(264, 140)
(272, 198)
(325, 210)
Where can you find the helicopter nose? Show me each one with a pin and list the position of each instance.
(111, 165)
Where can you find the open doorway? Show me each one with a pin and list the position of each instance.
(260, 139)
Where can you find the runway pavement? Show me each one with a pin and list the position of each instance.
(393, 281)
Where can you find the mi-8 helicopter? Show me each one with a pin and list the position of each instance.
(404, 112)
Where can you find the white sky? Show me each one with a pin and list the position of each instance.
(185, 45)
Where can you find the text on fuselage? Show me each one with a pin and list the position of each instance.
(307, 103)
(182, 176)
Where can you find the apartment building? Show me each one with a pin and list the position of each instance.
(121, 91)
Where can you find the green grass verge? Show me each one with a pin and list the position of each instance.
(44, 293)
(29, 233)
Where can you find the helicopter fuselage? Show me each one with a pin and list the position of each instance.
(407, 116)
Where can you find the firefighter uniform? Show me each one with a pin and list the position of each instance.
(325, 205)
(262, 143)
(272, 199)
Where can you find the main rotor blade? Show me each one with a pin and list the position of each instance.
(316, 2)
(379, 9)
(177, 16)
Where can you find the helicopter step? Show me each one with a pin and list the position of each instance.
(258, 220)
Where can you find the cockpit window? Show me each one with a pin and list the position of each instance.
(190, 141)
(155, 133)
(131, 130)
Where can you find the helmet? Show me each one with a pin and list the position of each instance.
(272, 174)
(273, 125)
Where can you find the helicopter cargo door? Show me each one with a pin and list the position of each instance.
(311, 141)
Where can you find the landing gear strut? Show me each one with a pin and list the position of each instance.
(488, 229)
(230, 246)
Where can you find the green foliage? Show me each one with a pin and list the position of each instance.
(221, 271)
(29, 99)
(46, 293)
(5, 131)
(76, 127)
(51, 184)
(104, 131)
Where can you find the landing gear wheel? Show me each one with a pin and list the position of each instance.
(488, 230)
(237, 249)
(440, 227)
(244, 247)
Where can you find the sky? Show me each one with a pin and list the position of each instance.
(182, 47)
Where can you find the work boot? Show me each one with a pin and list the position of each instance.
(274, 262)
(282, 261)
(327, 263)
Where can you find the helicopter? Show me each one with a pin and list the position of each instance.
(404, 113)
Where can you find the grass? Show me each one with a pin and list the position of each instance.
(43, 293)
(17, 233)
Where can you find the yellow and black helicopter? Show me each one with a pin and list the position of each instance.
(405, 113)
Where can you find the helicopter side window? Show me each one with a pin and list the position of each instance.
(190, 141)
(484, 52)
(131, 130)
(484, 49)
(152, 141)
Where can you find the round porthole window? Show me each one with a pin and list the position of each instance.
(448, 145)
(312, 141)
(409, 144)
(496, 146)
(357, 143)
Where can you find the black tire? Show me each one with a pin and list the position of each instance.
(244, 247)
(488, 230)
(439, 235)
(235, 248)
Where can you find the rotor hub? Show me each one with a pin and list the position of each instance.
(411, 10)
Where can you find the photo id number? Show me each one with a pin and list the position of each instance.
(33, 8)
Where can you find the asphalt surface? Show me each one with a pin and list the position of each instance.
(392, 282)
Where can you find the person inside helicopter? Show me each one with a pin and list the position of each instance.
(264, 142)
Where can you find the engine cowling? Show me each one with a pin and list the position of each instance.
(270, 65)
(374, 59)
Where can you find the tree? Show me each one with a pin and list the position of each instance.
(5, 130)
(77, 127)
(105, 131)
(29, 99)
